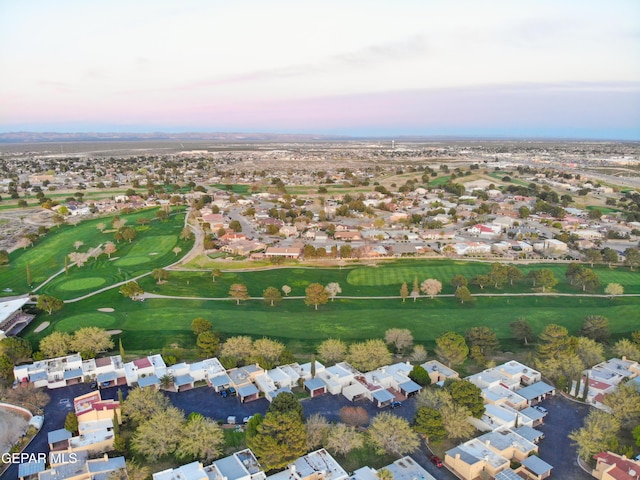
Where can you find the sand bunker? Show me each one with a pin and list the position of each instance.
(12, 426)
(114, 332)
(41, 327)
(106, 309)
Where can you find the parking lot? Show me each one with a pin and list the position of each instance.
(563, 417)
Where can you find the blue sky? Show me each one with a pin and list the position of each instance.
(557, 68)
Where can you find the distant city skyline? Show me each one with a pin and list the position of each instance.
(534, 68)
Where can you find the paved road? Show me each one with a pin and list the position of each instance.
(556, 449)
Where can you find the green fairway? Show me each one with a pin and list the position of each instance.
(242, 189)
(155, 324)
(82, 284)
(151, 249)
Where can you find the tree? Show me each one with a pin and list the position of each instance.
(609, 255)
(598, 434)
(400, 338)
(286, 289)
(614, 289)
(186, 234)
(267, 350)
(110, 248)
(279, 440)
(592, 256)
(464, 295)
(368, 355)
(201, 439)
(333, 289)
(521, 330)
(431, 287)
(419, 354)
(514, 274)
(160, 435)
(429, 422)
(101, 226)
(484, 338)
(77, 244)
(131, 290)
(238, 291)
(626, 348)
(391, 434)
(209, 343)
(587, 280)
(143, 403)
(588, 351)
(235, 226)
(91, 340)
(287, 402)
(79, 258)
(176, 250)
(4, 257)
(200, 325)
(419, 375)
(341, 439)
(404, 291)
(415, 291)
(128, 233)
(56, 344)
(71, 423)
(481, 281)
(354, 416)
(272, 296)
(317, 430)
(632, 257)
(316, 295)
(15, 348)
(160, 275)
(49, 304)
(240, 347)
(459, 281)
(215, 273)
(498, 274)
(451, 348)
(544, 278)
(468, 395)
(554, 342)
(595, 327)
(332, 350)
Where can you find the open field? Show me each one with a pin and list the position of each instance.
(46, 258)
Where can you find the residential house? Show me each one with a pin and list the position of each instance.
(611, 466)
(473, 458)
(81, 468)
(292, 252)
(439, 372)
(241, 465)
(106, 371)
(317, 465)
(242, 379)
(52, 373)
(145, 371)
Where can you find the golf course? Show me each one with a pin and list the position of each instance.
(369, 302)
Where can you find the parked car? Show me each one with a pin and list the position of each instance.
(541, 409)
(93, 384)
(436, 461)
(231, 391)
(395, 404)
(224, 393)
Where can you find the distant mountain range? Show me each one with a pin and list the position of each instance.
(36, 137)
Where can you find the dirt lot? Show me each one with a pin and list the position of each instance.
(12, 426)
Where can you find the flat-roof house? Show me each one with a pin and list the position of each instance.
(439, 372)
(143, 367)
(469, 460)
(509, 444)
(51, 373)
(537, 392)
(317, 465)
(315, 387)
(242, 379)
(499, 395)
(536, 468)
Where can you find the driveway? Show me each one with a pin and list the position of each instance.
(555, 448)
(206, 401)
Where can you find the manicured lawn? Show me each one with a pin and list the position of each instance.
(440, 180)
(151, 249)
(155, 324)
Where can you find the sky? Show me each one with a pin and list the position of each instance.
(531, 68)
